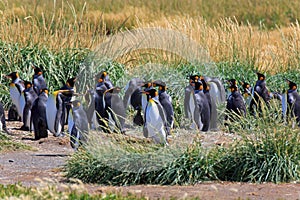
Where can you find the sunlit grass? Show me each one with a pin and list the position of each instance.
(7, 144)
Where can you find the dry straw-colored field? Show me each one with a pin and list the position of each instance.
(221, 28)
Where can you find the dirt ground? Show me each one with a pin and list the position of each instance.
(43, 165)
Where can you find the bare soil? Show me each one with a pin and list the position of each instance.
(45, 161)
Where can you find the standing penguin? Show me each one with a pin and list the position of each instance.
(235, 103)
(38, 80)
(189, 104)
(30, 97)
(293, 102)
(202, 109)
(213, 97)
(133, 96)
(155, 119)
(66, 99)
(2, 121)
(78, 125)
(101, 112)
(115, 108)
(16, 92)
(39, 116)
(166, 102)
(54, 112)
(247, 92)
(261, 94)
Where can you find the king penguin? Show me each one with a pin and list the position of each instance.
(2, 121)
(16, 92)
(166, 102)
(39, 116)
(54, 112)
(133, 96)
(247, 92)
(261, 94)
(293, 102)
(30, 97)
(235, 104)
(190, 101)
(155, 119)
(189, 104)
(101, 113)
(38, 80)
(202, 108)
(78, 125)
(114, 106)
(66, 99)
(213, 97)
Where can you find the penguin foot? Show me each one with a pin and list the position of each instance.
(24, 128)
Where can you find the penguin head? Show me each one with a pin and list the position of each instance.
(37, 70)
(103, 75)
(27, 84)
(13, 76)
(147, 84)
(44, 90)
(160, 84)
(204, 83)
(194, 78)
(246, 87)
(231, 82)
(233, 88)
(260, 76)
(198, 86)
(292, 85)
(152, 93)
(76, 103)
(71, 82)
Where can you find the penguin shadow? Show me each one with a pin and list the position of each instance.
(51, 155)
(28, 138)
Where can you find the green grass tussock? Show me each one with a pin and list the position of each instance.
(58, 66)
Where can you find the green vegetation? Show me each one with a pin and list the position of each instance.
(51, 192)
(6, 144)
(265, 150)
(58, 66)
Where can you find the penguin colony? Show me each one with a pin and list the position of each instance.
(43, 112)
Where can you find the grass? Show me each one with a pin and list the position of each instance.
(230, 31)
(6, 144)
(52, 192)
(265, 150)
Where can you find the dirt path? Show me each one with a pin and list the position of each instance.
(44, 163)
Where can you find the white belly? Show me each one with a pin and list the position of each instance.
(154, 124)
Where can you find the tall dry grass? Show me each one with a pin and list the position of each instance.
(273, 50)
(62, 24)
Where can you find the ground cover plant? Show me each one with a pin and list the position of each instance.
(6, 144)
(52, 192)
